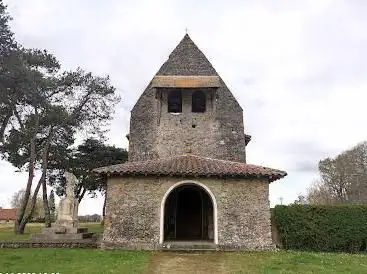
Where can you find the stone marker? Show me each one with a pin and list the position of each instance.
(66, 225)
(67, 214)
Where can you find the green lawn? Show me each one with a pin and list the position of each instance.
(7, 230)
(117, 261)
(67, 260)
(71, 261)
(296, 262)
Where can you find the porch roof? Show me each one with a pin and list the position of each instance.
(189, 165)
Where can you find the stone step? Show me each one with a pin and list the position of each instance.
(189, 246)
(189, 250)
(65, 230)
(87, 235)
(82, 230)
(66, 236)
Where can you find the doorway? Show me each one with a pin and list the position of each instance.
(188, 214)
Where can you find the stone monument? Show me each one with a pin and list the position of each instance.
(66, 225)
(67, 213)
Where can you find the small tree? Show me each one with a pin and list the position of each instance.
(343, 179)
(301, 200)
(17, 200)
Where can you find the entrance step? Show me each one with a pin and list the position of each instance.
(87, 235)
(82, 230)
(189, 246)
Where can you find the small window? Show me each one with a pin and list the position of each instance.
(198, 101)
(175, 101)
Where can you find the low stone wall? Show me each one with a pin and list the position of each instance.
(49, 244)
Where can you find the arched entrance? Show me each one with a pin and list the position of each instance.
(188, 213)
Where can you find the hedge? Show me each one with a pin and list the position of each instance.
(322, 228)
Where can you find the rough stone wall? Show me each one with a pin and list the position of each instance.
(143, 127)
(230, 141)
(180, 133)
(244, 215)
(216, 133)
(133, 212)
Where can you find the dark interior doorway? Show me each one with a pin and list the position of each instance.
(188, 214)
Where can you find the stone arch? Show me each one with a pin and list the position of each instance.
(204, 188)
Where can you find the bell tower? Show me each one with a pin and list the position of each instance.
(187, 108)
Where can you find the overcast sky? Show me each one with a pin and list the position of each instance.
(298, 69)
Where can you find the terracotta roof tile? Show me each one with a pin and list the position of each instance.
(8, 214)
(191, 165)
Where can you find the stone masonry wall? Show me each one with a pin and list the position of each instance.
(217, 133)
(143, 127)
(133, 212)
(244, 214)
(231, 138)
(180, 133)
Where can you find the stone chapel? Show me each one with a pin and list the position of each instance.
(187, 182)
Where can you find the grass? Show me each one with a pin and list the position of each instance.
(117, 261)
(296, 262)
(7, 230)
(71, 261)
(64, 260)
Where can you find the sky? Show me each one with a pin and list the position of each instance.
(298, 69)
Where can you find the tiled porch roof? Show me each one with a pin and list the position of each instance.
(189, 165)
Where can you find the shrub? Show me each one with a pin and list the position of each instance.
(322, 228)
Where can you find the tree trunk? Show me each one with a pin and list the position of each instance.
(46, 206)
(81, 195)
(19, 228)
(26, 218)
(3, 125)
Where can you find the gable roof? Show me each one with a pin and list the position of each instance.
(187, 59)
(8, 214)
(191, 165)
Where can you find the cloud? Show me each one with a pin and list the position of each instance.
(304, 166)
(296, 67)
